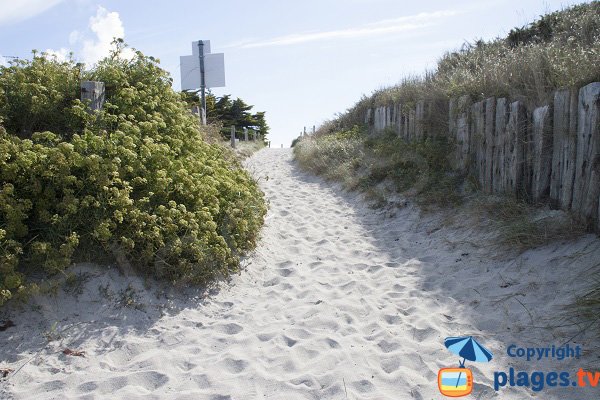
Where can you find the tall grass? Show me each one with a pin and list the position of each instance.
(561, 49)
(420, 170)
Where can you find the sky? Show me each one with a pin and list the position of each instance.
(302, 62)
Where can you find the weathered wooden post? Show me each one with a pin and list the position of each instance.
(541, 155)
(233, 136)
(586, 188)
(419, 133)
(245, 134)
(314, 129)
(564, 146)
(197, 112)
(304, 134)
(490, 144)
(459, 123)
(516, 134)
(478, 144)
(500, 164)
(94, 92)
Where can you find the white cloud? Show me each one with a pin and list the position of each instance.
(106, 26)
(12, 11)
(95, 42)
(61, 54)
(417, 18)
(74, 37)
(384, 27)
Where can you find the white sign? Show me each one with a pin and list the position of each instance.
(196, 51)
(214, 71)
(214, 68)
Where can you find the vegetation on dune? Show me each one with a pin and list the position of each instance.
(561, 49)
(360, 162)
(136, 178)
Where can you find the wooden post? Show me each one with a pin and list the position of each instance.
(500, 148)
(314, 129)
(490, 144)
(541, 156)
(411, 124)
(196, 111)
(406, 123)
(398, 118)
(478, 143)
(586, 188)
(245, 134)
(564, 132)
(419, 132)
(459, 122)
(516, 134)
(233, 136)
(94, 92)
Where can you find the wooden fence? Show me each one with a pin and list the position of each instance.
(550, 154)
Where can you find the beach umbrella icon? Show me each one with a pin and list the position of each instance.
(467, 348)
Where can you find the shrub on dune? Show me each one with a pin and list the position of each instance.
(135, 178)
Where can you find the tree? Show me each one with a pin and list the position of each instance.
(230, 112)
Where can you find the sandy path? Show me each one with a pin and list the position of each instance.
(338, 301)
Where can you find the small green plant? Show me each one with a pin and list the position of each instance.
(523, 226)
(588, 305)
(52, 334)
(75, 283)
(105, 292)
(130, 298)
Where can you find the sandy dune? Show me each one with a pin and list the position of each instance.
(338, 301)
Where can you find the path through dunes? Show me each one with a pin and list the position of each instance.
(338, 301)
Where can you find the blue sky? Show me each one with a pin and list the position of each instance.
(300, 61)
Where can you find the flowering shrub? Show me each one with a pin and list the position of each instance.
(136, 177)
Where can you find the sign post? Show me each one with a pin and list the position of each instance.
(202, 70)
(202, 81)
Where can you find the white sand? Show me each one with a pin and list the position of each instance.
(338, 301)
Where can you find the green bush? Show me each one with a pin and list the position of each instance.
(362, 162)
(136, 178)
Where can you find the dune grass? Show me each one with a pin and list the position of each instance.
(559, 50)
(420, 170)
